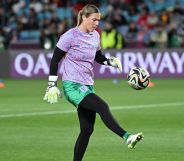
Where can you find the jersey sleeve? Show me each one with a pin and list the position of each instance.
(65, 41)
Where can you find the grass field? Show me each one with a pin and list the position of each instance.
(32, 130)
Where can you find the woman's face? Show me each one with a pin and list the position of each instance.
(91, 22)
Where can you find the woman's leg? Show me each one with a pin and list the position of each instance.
(96, 104)
(87, 120)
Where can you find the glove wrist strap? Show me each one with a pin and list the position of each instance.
(107, 62)
(52, 80)
(52, 84)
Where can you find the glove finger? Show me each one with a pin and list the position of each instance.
(58, 93)
(45, 97)
(113, 61)
(49, 99)
(54, 98)
(120, 67)
(118, 64)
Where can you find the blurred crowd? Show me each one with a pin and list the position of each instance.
(124, 24)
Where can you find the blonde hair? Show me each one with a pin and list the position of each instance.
(87, 10)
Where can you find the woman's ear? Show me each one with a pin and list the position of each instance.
(83, 17)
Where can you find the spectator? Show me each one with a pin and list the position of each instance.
(132, 14)
(180, 32)
(143, 37)
(32, 23)
(152, 20)
(143, 18)
(5, 37)
(118, 18)
(48, 37)
(109, 14)
(2, 40)
(111, 38)
(17, 6)
(20, 15)
(174, 41)
(3, 17)
(159, 37)
(165, 17)
(37, 5)
(132, 33)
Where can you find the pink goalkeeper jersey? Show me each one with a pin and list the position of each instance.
(78, 63)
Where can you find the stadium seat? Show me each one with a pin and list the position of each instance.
(35, 34)
(61, 13)
(68, 13)
(24, 35)
(169, 4)
(181, 3)
(29, 35)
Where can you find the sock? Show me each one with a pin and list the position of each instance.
(126, 135)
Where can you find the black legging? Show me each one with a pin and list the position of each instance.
(87, 110)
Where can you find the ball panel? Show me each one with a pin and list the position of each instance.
(138, 78)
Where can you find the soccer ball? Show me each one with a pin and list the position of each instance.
(138, 78)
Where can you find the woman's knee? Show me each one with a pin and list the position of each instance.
(103, 108)
(87, 130)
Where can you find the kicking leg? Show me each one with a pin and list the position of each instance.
(95, 103)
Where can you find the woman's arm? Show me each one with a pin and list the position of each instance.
(57, 56)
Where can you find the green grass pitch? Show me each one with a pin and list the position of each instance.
(32, 130)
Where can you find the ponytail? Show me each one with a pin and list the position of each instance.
(79, 18)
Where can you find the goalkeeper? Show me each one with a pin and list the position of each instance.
(78, 48)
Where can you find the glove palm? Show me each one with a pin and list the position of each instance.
(115, 62)
(52, 93)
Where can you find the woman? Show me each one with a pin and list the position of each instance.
(78, 48)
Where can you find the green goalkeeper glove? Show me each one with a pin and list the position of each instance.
(52, 92)
(115, 62)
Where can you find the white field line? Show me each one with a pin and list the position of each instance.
(112, 108)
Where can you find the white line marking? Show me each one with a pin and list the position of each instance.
(112, 108)
(148, 105)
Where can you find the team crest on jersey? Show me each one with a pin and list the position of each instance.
(83, 88)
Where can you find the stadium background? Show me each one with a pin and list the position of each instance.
(151, 35)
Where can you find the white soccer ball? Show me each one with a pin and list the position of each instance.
(138, 78)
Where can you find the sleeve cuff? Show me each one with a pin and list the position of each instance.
(53, 78)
